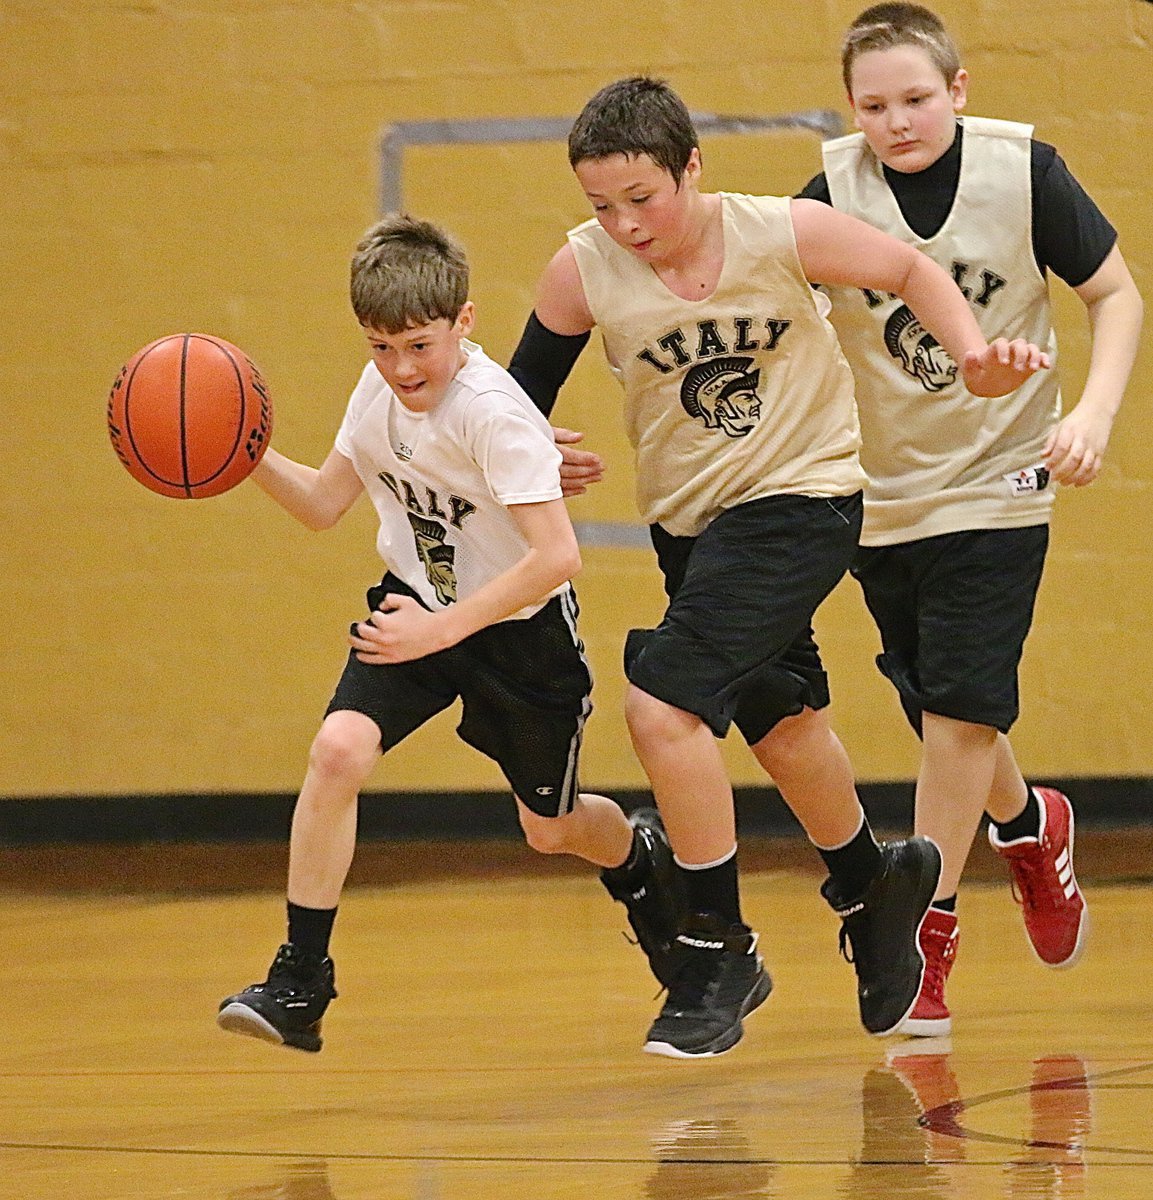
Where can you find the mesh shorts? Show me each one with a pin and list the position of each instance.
(736, 642)
(524, 688)
(953, 612)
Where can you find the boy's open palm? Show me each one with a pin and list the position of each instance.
(398, 631)
(1002, 367)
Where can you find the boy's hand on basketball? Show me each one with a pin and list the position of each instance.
(1076, 447)
(1002, 366)
(578, 468)
(398, 631)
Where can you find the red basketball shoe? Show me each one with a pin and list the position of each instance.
(930, 1015)
(1052, 904)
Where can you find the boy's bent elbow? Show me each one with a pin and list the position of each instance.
(562, 565)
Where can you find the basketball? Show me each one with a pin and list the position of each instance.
(189, 416)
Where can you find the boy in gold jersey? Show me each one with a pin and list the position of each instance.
(960, 492)
(739, 405)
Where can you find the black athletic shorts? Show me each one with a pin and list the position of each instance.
(736, 642)
(524, 688)
(954, 611)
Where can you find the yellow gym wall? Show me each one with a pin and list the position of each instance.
(208, 165)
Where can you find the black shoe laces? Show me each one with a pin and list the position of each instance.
(853, 941)
(698, 972)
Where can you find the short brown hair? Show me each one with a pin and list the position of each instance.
(887, 25)
(635, 116)
(407, 272)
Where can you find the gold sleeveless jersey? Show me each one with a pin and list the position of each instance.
(737, 396)
(939, 459)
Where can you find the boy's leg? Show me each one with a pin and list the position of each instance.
(811, 769)
(323, 837)
(882, 893)
(287, 1007)
(719, 978)
(595, 829)
(1032, 829)
(958, 760)
(636, 864)
(525, 687)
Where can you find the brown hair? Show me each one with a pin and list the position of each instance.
(635, 116)
(887, 25)
(407, 272)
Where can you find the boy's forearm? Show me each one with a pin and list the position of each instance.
(1115, 321)
(528, 582)
(295, 487)
(939, 305)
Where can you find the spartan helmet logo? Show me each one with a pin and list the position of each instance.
(920, 353)
(436, 555)
(723, 393)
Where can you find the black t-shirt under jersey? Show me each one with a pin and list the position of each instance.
(1071, 236)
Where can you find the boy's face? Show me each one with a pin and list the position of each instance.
(904, 107)
(638, 203)
(420, 362)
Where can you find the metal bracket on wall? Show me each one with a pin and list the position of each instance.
(494, 130)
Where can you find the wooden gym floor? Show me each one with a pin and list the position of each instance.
(486, 1041)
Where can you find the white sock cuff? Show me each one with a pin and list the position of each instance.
(705, 866)
(856, 833)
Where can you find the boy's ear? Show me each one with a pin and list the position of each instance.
(693, 167)
(959, 89)
(466, 318)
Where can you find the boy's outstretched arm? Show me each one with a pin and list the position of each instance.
(838, 249)
(401, 629)
(544, 358)
(1077, 445)
(316, 498)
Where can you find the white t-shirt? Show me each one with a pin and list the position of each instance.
(441, 481)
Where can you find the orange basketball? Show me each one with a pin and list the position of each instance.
(189, 415)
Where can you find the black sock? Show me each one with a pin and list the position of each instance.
(853, 865)
(715, 890)
(946, 903)
(310, 928)
(1027, 824)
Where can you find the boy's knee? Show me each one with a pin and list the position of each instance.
(651, 720)
(545, 835)
(346, 746)
(791, 739)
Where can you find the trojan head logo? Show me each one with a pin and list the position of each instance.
(722, 392)
(436, 555)
(920, 353)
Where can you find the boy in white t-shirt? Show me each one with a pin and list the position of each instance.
(476, 604)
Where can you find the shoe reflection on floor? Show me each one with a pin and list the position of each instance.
(707, 1159)
(913, 1117)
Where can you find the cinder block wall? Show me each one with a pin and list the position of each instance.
(208, 166)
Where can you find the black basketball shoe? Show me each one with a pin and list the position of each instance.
(720, 980)
(286, 1008)
(652, 895)
(879, 931)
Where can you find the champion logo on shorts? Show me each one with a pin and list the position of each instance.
(1028, 479)
(544, 791)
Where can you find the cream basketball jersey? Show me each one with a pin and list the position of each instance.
(441, 480)
(740, 395)
(939, 459)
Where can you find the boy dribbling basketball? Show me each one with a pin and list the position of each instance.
(476, 605)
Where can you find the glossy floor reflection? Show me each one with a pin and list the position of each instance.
(486, 1043)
